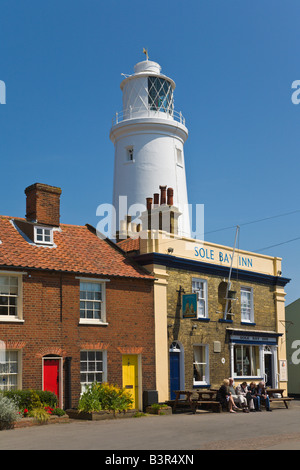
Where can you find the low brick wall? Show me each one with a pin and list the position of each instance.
(28, 422)
(100, 415)
(159, 411)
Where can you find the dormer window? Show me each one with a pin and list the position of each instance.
(43, 235)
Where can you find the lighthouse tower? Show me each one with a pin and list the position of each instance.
(148, 136)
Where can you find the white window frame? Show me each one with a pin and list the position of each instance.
(250, 310)
(258, 366)
(43, 241)
(4, 362)
(84, 384)
(102, 319)
(19, 310)
(179, 156)
(199, 298)
(197, 383)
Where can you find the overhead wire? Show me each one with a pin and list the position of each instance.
(253, 221)
(262, 220)
(277, 244)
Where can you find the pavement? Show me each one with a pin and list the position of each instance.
(278, 430)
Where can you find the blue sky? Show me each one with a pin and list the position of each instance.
(233, 64)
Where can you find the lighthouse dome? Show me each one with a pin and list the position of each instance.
(147, 66)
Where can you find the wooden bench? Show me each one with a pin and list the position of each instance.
(279, 391)
(206, 399)
(284, 399)
(186, 402)
(211, 404)
(179, 405)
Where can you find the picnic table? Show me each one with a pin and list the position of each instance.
(187, 401)
(278, 391)
(210, 393)
(209, 399)
(205, 397)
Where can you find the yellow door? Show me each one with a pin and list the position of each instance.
(130, 377)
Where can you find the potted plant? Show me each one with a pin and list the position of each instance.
(102, 401)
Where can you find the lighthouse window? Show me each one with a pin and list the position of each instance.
(160, 95)
(129, 153)
(179, 156)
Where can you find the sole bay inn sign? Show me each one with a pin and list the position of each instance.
(221, 257)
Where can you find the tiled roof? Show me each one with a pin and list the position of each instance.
(130, 244)
(76, 249)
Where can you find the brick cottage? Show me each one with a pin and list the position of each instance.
(73, 308)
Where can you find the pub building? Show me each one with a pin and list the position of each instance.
(219, 312)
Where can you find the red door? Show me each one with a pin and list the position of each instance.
(51, 375)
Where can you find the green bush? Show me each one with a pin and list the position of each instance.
(58, 412)
(30, 399)
(157, 406)
(104, 396)
(9, 412)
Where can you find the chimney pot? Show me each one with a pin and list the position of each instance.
(149, 201)
(156, 199)
(163, 196)
(170, 196)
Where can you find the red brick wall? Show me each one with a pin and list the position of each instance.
(51, 326)
(43, 204)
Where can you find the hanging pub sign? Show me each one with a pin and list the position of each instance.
(189, 306)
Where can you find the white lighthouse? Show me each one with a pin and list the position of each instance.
(149, 136)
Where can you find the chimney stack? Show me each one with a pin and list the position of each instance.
(43, 204)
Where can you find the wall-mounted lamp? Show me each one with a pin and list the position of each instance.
(170, 250)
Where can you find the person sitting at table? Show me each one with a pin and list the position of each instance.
(262, 394)
(238, 398)
(225, 398)
(252, 397)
